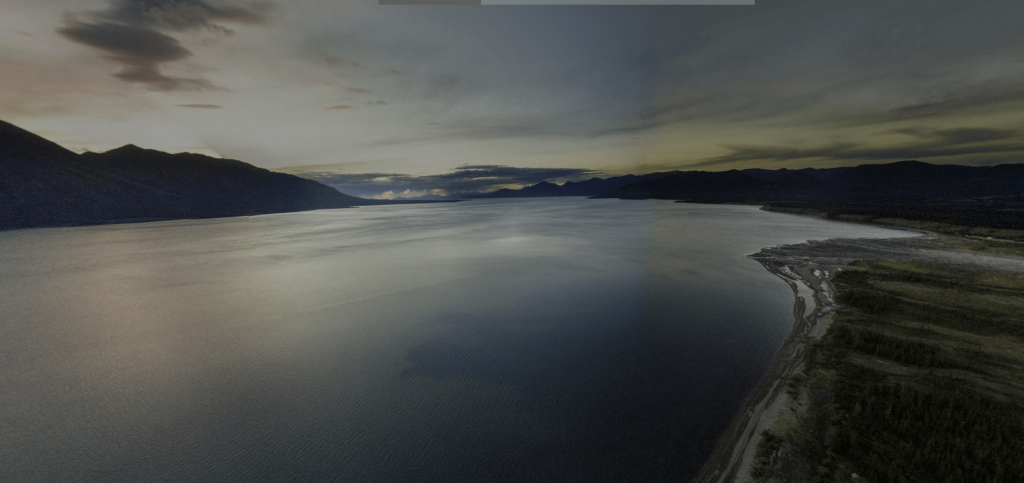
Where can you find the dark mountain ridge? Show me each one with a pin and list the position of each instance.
(778, 174)
(903, 180)
(919, 180)
(44, 184)
(599, 186)
(719, 186)
(964, 196)
(590, 187)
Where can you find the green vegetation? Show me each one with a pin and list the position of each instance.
(765, 452)
(982, 217)
(998, 245)
(919, 378)
(975, 224)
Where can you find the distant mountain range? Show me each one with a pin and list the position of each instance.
(725, 186)
(990, 197)
(590, 187)
(596, 187)
(43, 184)
(899, 181)
(779, 174)
(903, 180)
(963, 196)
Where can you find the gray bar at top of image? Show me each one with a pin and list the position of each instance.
(617, 2)
(429, 2)
(565, 2)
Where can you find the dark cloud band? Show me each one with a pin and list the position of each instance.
(180, 15)
(129, 32)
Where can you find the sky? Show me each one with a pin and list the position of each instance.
(402, 100)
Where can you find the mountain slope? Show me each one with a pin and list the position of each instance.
(968, 197)
(918, 180)
(903, 180)
(722, 186)
(43, 184)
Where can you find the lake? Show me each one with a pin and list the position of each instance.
(547, 339)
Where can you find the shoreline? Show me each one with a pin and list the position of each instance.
(734, 452)
(806, 268)
(929, 227)
(776, 403)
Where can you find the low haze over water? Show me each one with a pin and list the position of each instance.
(491, 340)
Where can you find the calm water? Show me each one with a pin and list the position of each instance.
(504, 340)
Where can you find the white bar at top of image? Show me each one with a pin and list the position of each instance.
(617, 2)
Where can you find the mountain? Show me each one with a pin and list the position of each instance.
(778, 174)
(596, 187)
(903, 180)
(590, 187)
(915, 180)
(967, 197)
(899, 180)
(43, 184)
(720, 186)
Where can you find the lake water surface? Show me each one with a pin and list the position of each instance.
(498, 340)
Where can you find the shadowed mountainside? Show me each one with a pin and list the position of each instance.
(724, 186)
(44, 184)
(903, 180)
(961, 196)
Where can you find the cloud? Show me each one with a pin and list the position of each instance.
(129, 32)
(985, 95)
(201, 106)
(341, 107)
(182, 15)
(140, 50)
(836, 63)
(124, 43)
(958, 136)
(390, 195)
(461, 180)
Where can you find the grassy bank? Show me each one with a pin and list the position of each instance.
(934, 219)
(920, 377)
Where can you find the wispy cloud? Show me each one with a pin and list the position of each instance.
(341, 107)
(984, 95)
(892, 61)
(957, 136)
